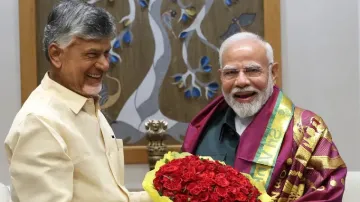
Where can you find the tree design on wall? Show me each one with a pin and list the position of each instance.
(183, 23)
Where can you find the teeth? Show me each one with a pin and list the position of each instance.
(96, 76)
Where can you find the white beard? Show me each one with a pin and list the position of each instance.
(244, 110)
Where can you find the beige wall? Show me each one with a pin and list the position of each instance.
(320, 44)
(10, 74)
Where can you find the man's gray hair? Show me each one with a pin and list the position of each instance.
(246, 36)
(75, 18)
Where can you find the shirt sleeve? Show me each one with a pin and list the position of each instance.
(141, 196)
(40, 168)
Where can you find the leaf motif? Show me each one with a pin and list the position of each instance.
(116, 44)
(183, 35)
(191, 11)
(207, 68)
(210, 94)
(195, 92)
(246, 19)
(232, 29)
(228, 2)
(177, 78)
(143, 4)
(204, 61)
(213, 86)
(188, 93)
(184, 18)
(114, 59)
(127, 37)
(127, 23)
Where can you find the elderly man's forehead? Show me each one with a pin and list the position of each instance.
(82, 41)
(248, 44)
(246, 48)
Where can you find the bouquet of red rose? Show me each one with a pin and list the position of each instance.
(185, 177)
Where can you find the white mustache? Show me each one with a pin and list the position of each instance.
(246, 89)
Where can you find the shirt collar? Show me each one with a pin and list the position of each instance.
(73, 100)
(227, 124)
(229, 118)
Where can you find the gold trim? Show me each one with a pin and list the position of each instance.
(325, 162)
(289, 161)
(302, 155)
(327, 135)
(298, 128)
(271, 143)
(287, 187)
(333, 183)
(295, 173)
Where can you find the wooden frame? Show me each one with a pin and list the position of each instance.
(28, 63)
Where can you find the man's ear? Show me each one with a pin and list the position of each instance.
(55, 53)
(275, 71)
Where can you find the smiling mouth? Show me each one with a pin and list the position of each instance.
(94, 76)
(244, 95)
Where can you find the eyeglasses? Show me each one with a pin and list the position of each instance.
(230, 73)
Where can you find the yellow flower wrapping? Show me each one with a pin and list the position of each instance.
(148, 184)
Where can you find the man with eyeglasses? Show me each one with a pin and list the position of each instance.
(256, 129)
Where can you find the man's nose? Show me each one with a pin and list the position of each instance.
(103, 63)
(242, 80)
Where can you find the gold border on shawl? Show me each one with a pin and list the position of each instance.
(271, 145)
(325, 162)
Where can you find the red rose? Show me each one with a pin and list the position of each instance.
(221, 191)
(221, 180)
(244, 190)
(173, 185)
(157, 183)
(194, 188)
(241, 197)
(206, 184)
(177, 162)
(231, 190)
(187, 176)
(203, 196)
(211, 167)
(200, 168)
(167, 168)
(214, 197)
(181, 198)
(207, 175)
(168, 193)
